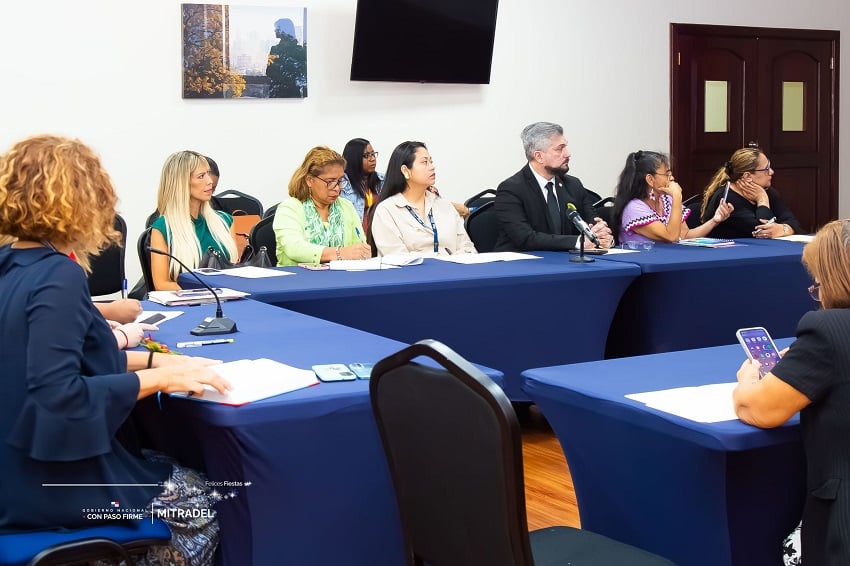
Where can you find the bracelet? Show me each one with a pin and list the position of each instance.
(338, 254)
(150, 359)
(126, 338)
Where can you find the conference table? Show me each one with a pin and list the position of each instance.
(712, 494)
(509, 315)
(691, 297)
(320, 490)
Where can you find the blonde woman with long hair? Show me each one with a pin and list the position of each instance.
(187, 224)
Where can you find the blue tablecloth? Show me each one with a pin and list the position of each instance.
(507, 315)
(688, 297)
(320, 490)
(699, 494)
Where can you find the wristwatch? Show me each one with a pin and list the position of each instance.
(785, 229)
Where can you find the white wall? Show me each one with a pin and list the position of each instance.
(109, 73)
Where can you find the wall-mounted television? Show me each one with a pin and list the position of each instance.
(433, 41)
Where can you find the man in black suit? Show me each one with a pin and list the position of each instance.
(531, 205)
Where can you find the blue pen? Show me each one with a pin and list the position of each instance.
(124, 289)
(359, 235)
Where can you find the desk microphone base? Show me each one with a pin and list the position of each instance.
(212, 326)
(581, 259)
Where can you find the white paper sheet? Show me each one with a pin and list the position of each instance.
(803, 238)
(704, 404)
(253, 380)
(251, 272)
(488, 257)
(193, 296)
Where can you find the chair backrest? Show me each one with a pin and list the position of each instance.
(694, 203)
(604, 209)
(483, 227)
(270, 211)
(232, 200)
(476, 200)
(107, 268)
(145, 257)
(111, 543)
(454, 450)
(150, 220)
(262, 234)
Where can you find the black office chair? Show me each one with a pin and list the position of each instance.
(604, 209)
(694, 203)
(477, 200)
(107, 268)
(270, 211)
(232, 200)
(483, 227)
(262, 234)
(145, 259)
(150, 220)
(454, 450)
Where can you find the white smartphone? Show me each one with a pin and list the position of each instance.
(333, 372)
(362, 371)
(726, 193)
(759, 346)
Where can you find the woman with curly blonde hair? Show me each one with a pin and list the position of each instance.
(67, 390)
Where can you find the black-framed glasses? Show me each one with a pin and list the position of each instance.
(370, 155)
(814, 291)
(668, 174)
(763, 169)
(331, 184)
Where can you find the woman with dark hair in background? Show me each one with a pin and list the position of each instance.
(648, 203)
(411, 218)
(759, 212)
(361, 184)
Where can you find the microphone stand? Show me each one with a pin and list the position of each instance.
(209, 326)
(581, 258)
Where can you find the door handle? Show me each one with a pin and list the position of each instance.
(753, 144)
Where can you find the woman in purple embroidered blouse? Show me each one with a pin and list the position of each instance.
(648, 203)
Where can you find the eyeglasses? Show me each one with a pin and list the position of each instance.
(668, 174)
(814, 291)
(765, 169)
(370, 155)
(331, 184)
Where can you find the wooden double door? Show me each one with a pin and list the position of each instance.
(776, 89)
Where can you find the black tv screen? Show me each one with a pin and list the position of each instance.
(434, 41)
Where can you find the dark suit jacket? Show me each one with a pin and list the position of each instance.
(818, 366)
(523, 218)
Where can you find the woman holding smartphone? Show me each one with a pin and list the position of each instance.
(759, 212)
(813, 377)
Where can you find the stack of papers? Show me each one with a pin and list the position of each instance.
(253, 380)
(485, 257)
(802, 238)
(194, 296)
(707, 242)
(389, 261)
(703, 404)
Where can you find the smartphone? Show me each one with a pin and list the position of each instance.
(314, 267)
(759, 346)
(726, 193)
(362, 371)
(333, 372)
(153, 319)
(208, 270)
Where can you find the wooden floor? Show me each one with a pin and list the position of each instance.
(549, 495)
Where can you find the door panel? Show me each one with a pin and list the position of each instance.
(782, 95)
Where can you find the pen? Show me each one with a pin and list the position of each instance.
(448, 251)
(124, 289)
(197, 343)
(359, 235)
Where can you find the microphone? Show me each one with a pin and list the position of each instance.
(579, 223)
(209, 326)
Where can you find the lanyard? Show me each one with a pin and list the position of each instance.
(433, 226)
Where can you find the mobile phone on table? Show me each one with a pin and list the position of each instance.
(759, 346)
(333, 372)
(361, 370)
(153, 319)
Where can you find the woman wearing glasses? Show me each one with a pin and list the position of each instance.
(648, 204)
(759, 212)
(813, 377)
(361, 184)
(409, 216)
(315, 225)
